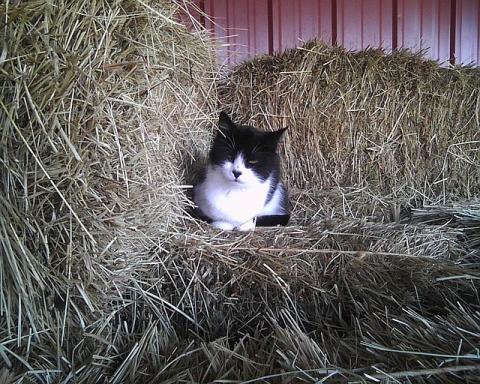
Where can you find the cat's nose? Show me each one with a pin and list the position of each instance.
(236, 174)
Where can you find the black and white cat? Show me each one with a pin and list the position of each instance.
(242, 185)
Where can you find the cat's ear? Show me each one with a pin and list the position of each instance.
(274, 137)
(225, 124)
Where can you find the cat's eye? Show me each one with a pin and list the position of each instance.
(253, 162)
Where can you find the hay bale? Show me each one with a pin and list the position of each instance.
(316, 303)
(462, 215)
(101, 105)
(376, 130)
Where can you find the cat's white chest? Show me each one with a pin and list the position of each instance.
(224, 200)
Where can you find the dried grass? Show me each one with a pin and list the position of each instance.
(102, 104)
(104, 280)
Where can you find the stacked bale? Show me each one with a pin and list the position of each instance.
(340, 301)
(377, 131)
(370, 136)
(101, 105)
(103, 280)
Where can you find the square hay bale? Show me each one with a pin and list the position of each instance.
(377, 131)
(101, 105)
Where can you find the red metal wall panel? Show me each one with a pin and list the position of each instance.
(364, 23)
(444, 29)
(435, 29)
(467, 32)
(240, 27)
(296, 21)
(425, 25)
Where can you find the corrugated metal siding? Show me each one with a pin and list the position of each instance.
(241, 27)
(425, 25)
(296, 21)
(364, 23)
(467, 31)
(447, 30)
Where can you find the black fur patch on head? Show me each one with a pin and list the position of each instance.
(257, 147)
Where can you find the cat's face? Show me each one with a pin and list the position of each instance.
(243, 154)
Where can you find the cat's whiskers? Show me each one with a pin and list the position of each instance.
(232, 140)
(254, 150)
(230, 143)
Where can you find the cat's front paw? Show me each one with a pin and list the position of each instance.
(223, 225)
(247, 226)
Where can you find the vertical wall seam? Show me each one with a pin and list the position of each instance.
(212, 11)
(298, 20)
(202, 13)
(478, 38)
(334, 22)
(394, 25)
(318, 28)
(229, 33)
(453, 23)
(380, 26)
(362, 24)
(420, 43)
(439, 23)
(279, 31)
(249, 28)
(270, 26)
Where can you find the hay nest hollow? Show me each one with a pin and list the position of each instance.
(103, 280)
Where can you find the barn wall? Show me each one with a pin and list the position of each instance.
(447, 30)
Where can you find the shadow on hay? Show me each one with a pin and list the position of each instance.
(318, 308)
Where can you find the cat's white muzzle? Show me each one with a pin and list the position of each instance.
(238, 173)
